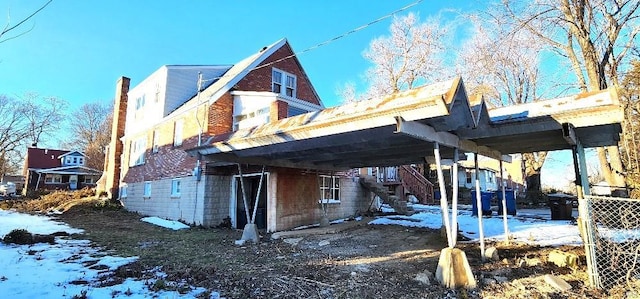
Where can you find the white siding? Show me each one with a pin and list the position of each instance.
(183, 83)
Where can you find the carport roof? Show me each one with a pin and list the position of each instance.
(402, 129)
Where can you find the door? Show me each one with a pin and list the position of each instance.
(73, 182)
(251, 185)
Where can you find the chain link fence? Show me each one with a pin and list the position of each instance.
(612, 237)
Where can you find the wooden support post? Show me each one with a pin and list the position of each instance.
(443, 195)
(255, 205)
(454, 196)
(479, 207)
(504, 205)
(244, 194)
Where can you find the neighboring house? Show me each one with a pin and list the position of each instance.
(487, 178)
(175, 109)
(53, 169)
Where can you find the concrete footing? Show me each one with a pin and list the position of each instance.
(453, 269)
(250, 233)
(324, 221)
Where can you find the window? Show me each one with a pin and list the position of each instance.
(468, 174)
(147, 189)
(140, 102)
(175, 187)
(291, 86)
(53, 178)
(279, 77)
(88, 180)
(251, 118)
(276, 78)
(156, 135)
(293, 111)
(123, 191)
(81, 160)
(75, 160)
(137, 150)
(329, 189)
(177, 133)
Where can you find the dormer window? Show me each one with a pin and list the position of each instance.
(280, 78)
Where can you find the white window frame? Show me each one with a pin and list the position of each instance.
(154, 142)
(285, 81)
(147, 189)
(80, 160)
(140, 102)
(175, 187)
(178, 128)
(332, 187)
(52, 178)
(137, 150)
(88, 180)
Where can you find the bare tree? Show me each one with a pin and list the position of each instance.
(25, 122)
(502, 64)
(412, 55)
(8, 28)
(630, 92)
(90, 127)
(595, 38)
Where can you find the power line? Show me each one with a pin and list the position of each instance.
(331, 40)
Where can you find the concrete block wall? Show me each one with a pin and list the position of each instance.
(217, 199)
(162, 204)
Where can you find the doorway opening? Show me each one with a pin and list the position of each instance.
(251, 185)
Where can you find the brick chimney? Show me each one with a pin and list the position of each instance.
(112, 163)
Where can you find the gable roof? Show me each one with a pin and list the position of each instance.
(38, 158)
(231, 77)
(73, 169)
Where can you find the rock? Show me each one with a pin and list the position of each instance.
(491, 253)
(563, 259)
(501, 279)
(557, 282)
(488, 281)
(324, 243)
(292, 241)
(453, 269)
(424, 277)
(533, 262)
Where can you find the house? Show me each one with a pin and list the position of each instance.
(179, 107)
(53, 169)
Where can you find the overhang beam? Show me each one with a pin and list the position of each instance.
(427, 133)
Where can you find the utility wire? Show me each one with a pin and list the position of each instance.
(331, 40)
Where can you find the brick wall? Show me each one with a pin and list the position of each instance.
(220, 118)
(260, 78)
(278, 110)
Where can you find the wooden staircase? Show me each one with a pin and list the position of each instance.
(398, 203)
(416, 184)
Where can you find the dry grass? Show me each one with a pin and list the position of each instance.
(364, 261)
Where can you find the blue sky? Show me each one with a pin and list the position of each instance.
(78, 49)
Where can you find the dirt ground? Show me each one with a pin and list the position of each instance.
(359, 261)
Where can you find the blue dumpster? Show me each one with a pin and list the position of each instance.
(511, 201)
(485, 199)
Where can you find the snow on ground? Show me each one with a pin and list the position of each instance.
(174, 225)
(73, 267)
(67, 268)
(531, 226)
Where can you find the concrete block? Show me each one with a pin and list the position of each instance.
(563, 259)
(557, 282)
(453, 269)
(250, 233)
